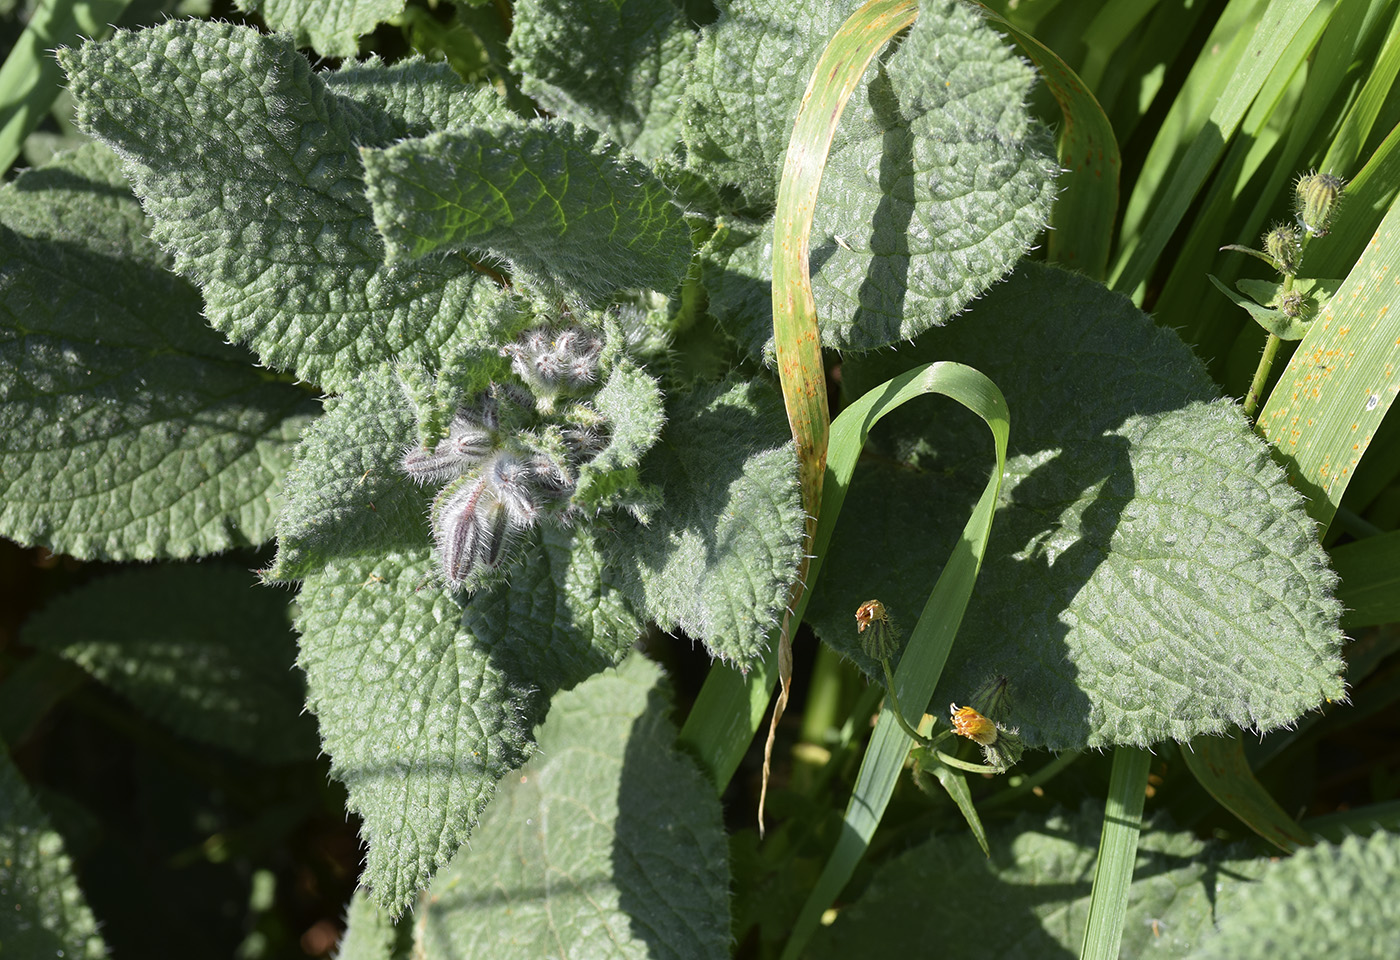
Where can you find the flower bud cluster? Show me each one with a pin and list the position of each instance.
(504, 468)
(553, 361)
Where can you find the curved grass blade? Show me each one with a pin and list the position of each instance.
(1113, 876)
(1081, 222)
(730, 706)
(932, 638)
(797, 340)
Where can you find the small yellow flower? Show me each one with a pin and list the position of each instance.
(967, 722)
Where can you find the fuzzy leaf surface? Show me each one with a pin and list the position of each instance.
(426, 698)
(215, 665)
(128, 428)
(370, 932)
(617, 67)
(1034, 889)
(1340, 901)
(1151, 574)
(330, 27)
(568, 212)
(938, 182)
(42, 909)
(718, 560)
(609, 843)
(249, 164)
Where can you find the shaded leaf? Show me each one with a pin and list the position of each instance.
(332, 29)
(1335, 901)
(1151, 574)
(249, 164)
(1031, 897)
(128, 429)
(42, 910)
(608, 844)
(214, 665)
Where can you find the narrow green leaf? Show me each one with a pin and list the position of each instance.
(1219, 764)
(215, 665)
(569, 213)
(1081, 221)
(616, 66)
(954, 782)
(608, 844)
(717, 561)
(927, 649)
(42, 909)
(1140, 250)
(1343, 378)
(1340, 902)
(1344, 152)
(30, 79)
(1152, 575)
(128, 429)
(1370, 587)
(331, 29)
(249, 164)
(1118, 843)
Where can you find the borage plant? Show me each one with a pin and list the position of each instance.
(521, 367)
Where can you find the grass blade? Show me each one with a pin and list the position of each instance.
(1219, 765)
(1081, 222)
(932, 637)
(1343, 378)
(1140, 250)
(1122, 822)
(1370, 588)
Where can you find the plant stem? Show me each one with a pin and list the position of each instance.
(898, 713)
(1261, 375)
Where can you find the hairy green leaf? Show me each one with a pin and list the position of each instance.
(249, 164)
(1031, 897)
(934, 188)
(718, 560)
(616, 66)
(1151, 574)
(569, 213)
(608, 844)
(631, 402)
(1341, 902)
(42, 910)
(214, 664)
(330, 27)
(128, 429)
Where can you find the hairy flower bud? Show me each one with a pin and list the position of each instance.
(470, 439)
(1315, 199)
(879, 638)
(554, 360)
(1282, 246)
(470, 528)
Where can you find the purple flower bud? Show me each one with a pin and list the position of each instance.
(469, 440)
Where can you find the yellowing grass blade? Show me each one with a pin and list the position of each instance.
(797, 340)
